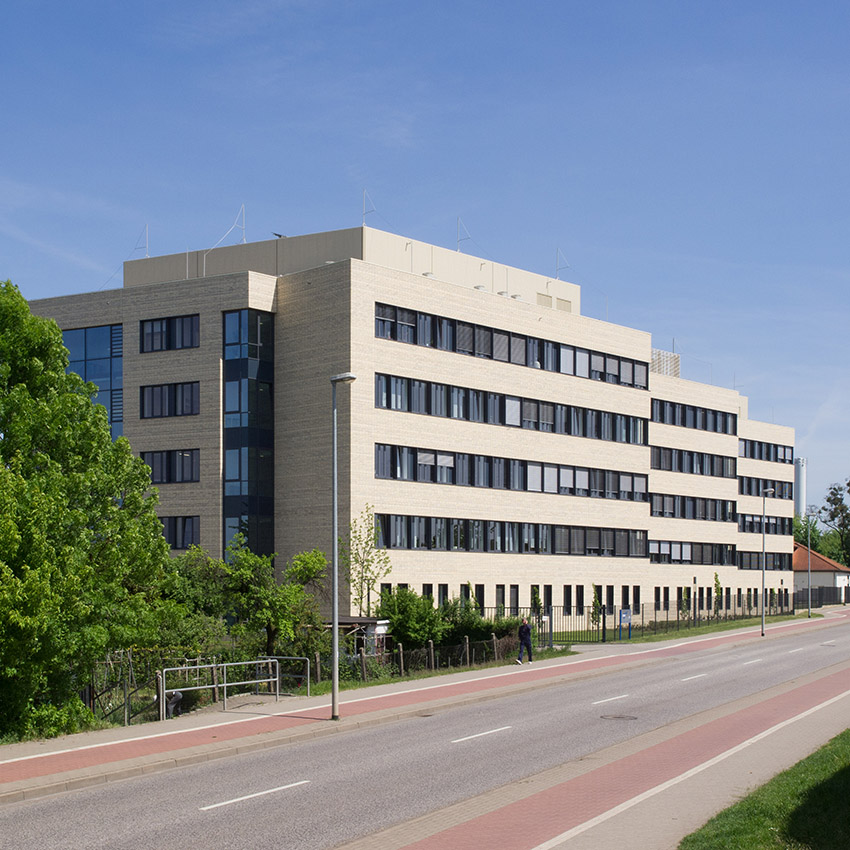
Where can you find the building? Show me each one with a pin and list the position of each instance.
(511, 447)
(824, 572)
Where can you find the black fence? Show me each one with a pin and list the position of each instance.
(821, 596)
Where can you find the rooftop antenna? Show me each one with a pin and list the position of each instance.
(365, 211)
(559, 258)
(240, 214)
(468, 236)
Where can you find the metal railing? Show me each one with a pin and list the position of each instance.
(285, 674)
(215, 684)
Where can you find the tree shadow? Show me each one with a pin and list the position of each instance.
(822, 820)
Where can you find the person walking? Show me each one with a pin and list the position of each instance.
(524, 640)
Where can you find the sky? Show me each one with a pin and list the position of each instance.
(686, 163)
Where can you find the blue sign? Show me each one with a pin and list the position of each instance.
(625, 617)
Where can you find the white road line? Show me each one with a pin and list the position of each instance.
(698, 676)
(558, 840)
(251, 796)
(754, 661)
(481, 734)
(610, 699)
(790, 651)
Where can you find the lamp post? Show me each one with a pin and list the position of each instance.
(344, 378)
(810, 515)
(764, 494)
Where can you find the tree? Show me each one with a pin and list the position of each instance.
(361, 561)
(261, 603)
(82, 553)
(835, 515)
(805, 529)
(718, 596)
(413, 619)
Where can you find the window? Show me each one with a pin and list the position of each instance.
(445, 468)
(383, 461)
(169, 400)
(512, 411)
(181, 532)
(173, 467)
(170, 334)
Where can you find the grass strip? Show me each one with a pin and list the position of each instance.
(806, 807)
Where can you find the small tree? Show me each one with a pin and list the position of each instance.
(718, 596)
(596, 608)
(361, 561)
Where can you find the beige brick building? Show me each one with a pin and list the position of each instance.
(508, 444)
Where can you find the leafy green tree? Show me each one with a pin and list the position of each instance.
(718, 596)
(835, 515)
(413, 619)
(806, 528)
(830, 545)
(361, 561)
(82, 553)
(258, 601)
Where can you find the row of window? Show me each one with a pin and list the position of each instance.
(432, 331)
(181, 532)
(686, 597)
(163, 400)
(434, 399)
(748, 486)
(751, 523)
(692, 463)
(689, 416)
(765, 451)
(676, 552)
(404, 463)
(772, 560)
(169, 334)
(174, 467)
(396, 531)
(692, 507)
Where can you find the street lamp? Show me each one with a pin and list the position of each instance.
(344, 378)
(764, 494)
(810, 515)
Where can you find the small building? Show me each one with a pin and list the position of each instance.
(825, 571)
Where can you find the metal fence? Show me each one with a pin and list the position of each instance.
(821, 596)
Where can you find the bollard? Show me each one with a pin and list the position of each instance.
(362, 663)
(400, 659)
(466, 650)
(430, 655)
(493, 639)
(318, 668)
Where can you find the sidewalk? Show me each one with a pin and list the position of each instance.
(34, 769)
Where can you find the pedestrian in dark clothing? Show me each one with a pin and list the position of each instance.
(524, 640)
(172, 703)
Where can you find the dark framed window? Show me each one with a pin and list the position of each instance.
(163, 400)
(170, 334)
(173, 467)
(181, 532)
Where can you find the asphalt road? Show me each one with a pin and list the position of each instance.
(321, 793)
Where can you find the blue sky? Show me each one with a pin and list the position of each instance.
(689, 160)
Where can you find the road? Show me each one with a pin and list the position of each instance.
(323, 793)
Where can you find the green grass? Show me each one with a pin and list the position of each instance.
(805, 808)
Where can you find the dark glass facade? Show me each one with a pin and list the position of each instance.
(249, 428)
(97, 355)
